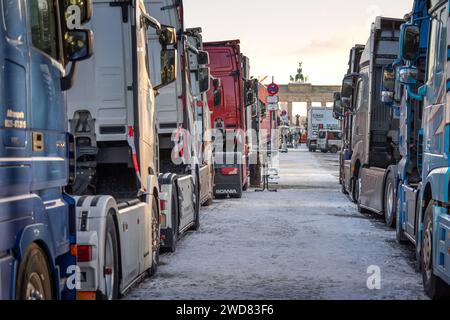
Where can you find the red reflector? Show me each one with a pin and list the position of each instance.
(229, 171)
(108, 271)
(163, 237)
(162, 205)
(199, 104)
(84, 254)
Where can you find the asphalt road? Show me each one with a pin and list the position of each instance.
(306, 241)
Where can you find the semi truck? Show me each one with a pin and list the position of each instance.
(113, 119)
(319, 118)
(346, 118)
(421, 91)
(375, 138)
(229, 119)
(180, 160)
(37, 218)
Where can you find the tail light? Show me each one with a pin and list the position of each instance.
(86, 295)
(84, 253)
(162, 204)
(229, 171)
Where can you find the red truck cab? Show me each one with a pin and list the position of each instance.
(226, 63)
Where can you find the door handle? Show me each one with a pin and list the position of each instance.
(38, 141)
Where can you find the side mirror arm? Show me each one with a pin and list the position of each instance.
(68, 81)
(413, 95)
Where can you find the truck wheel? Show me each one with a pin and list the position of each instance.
(111, 265)
(156, 238)
(355, 190)
(434, 287)
(399, 235)
(390, 201)
(33, 280)
(196, 225)
(334, 149)
(175, 216)
(343, 189)
(209, 201)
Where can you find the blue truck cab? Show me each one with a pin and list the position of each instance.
(423, 195)
(38, 39)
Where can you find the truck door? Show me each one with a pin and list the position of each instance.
(15, 178)
(434, 102)
(47, 135)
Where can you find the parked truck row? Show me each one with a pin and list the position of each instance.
(106, 162)
(396, 124)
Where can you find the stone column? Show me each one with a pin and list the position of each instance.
(290, 111)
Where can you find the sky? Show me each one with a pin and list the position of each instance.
(276, 35)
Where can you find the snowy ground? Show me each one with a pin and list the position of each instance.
(305, 242)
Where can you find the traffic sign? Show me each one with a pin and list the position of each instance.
(273, 89)
(273, 107)
(273, 99)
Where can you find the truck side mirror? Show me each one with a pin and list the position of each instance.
(217, 83)
(348, 88)
(204, 75)
(203, 58)
(168, 67)
(387, 94)
(77, 12)
(337, 106)
(217, 91)
(409, 42)
(408, 75)
(78, 45)
(167, 36)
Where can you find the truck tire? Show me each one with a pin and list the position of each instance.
(390, 201)
(334, 149)
(175, 221)
(111, 265)
(196, 225)
(209, 201)
(434, 287)
(33, 279)
(399, 235)
(156, 238)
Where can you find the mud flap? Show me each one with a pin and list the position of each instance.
(442, 251)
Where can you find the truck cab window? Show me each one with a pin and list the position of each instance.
(43, 27)
(437, 54)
